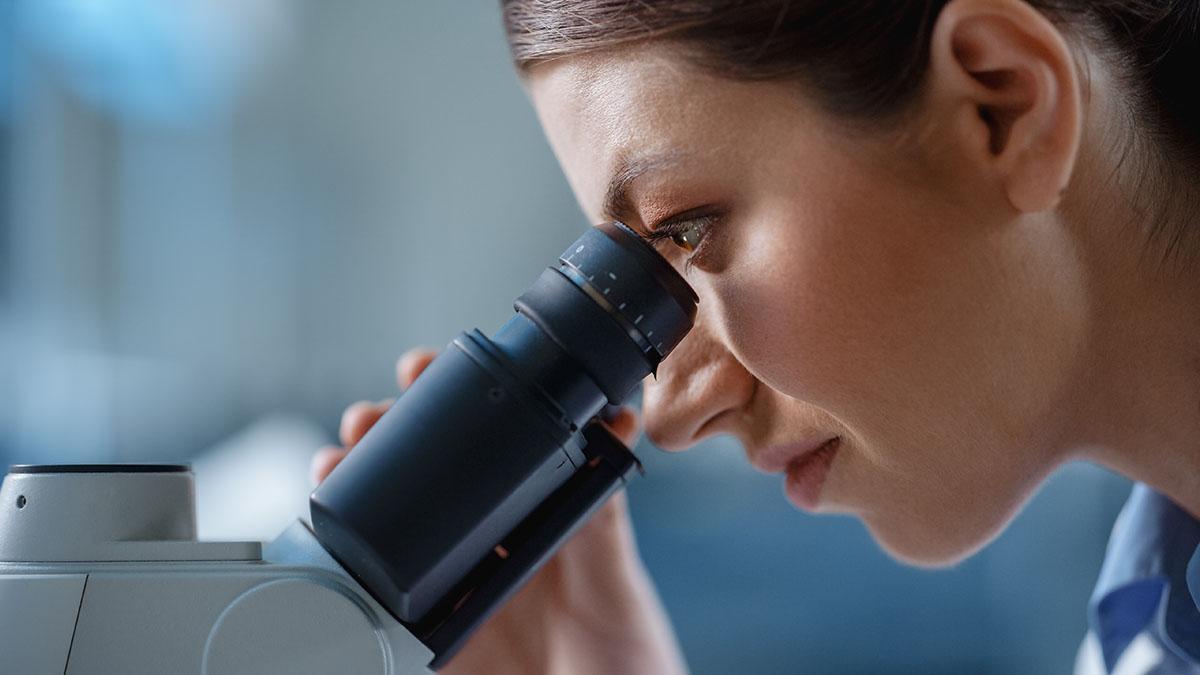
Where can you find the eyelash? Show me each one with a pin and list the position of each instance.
(674, 229)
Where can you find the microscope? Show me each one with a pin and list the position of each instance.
(459, 493)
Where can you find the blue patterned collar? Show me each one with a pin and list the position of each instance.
(1150, 581)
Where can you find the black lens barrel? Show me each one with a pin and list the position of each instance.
(492, 427)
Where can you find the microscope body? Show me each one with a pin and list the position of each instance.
(120, 585)
(460, 492)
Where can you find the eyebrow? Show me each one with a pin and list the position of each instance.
(617, 205)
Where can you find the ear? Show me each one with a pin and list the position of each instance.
(1007, 76)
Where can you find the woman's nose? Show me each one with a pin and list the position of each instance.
(697, 393)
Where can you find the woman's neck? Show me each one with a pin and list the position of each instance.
(1138, 410)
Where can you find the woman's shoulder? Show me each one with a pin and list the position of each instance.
(1145, 600)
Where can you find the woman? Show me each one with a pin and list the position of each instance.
(941, 248)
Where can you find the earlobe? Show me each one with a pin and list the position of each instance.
(1008, 70)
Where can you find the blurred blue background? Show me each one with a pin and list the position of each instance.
(222, 220)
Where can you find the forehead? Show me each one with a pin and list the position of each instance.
(603, 110)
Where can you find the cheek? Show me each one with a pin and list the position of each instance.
(889, 314)
(926, 339)
(816, 303)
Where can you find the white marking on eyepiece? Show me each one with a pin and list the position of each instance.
(612, 276)
(621, 306)
(579, 249)
(638, 320)
(607, 290)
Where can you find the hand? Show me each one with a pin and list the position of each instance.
(590, 609)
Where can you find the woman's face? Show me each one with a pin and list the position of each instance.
(855, 287)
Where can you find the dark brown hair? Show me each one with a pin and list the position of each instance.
(867, 58)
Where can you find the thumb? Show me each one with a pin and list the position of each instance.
(623, 422)
(609, 529)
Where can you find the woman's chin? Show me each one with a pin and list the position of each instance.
(931, 548)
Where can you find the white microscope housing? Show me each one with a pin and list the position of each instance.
(101, 573)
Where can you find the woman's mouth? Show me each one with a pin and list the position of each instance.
(806, 475)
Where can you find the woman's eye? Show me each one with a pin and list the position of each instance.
(689, 234)
(686, 232)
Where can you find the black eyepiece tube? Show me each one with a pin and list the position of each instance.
(486, 444)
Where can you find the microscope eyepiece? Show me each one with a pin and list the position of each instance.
(613, 305)
(618, 269)
(495, 444)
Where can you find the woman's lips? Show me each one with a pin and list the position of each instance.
(806, 475)
(806, 464)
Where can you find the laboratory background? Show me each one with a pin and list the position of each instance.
(221, 221)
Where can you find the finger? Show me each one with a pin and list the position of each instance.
(604, 548)
(323, 462)
(610, 518)
(624, 424)
(411, 364)
(609, 529)
(358, 418)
